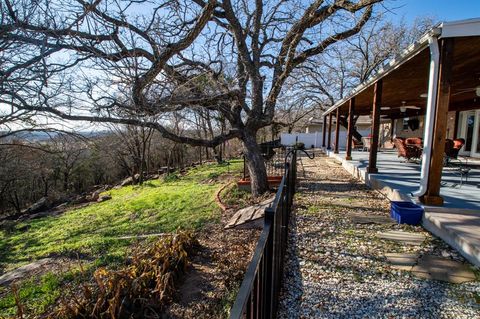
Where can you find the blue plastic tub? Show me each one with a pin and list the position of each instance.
(406, 212)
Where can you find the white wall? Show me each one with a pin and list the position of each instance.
(316, 139)
(406, 133)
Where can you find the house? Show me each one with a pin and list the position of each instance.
(314, 125)
(431, 91)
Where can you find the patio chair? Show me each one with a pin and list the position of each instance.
(452, 149)
(357, 145)
(414, 141)
(456, 146)
(367, 143)
(407, 151)
(451, 160)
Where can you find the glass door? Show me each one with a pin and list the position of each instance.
(476, 136)
(467, 131)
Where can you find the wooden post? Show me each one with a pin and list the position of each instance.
(329, 140)
(432, 195)
(377, 102)
(351, 110)
(392, 129)
(324, 128)
(337, 131)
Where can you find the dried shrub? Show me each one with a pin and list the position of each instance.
(138, 290)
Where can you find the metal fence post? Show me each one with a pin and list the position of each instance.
(269, 219)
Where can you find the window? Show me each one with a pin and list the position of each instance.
(405, 123)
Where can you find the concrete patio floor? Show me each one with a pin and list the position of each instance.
(404, 177)
(457, 222)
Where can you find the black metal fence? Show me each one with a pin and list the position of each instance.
(259, 292)
(275, 164)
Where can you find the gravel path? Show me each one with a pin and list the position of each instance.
(336, 268)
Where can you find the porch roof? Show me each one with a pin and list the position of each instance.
(405, 79)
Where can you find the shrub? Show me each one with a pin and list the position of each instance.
(213, 175)
(299, 146)
(172, 177)
(138, 290)
(235, 197)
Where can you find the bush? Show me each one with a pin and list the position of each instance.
(138, 290)
(172, 177)
(213, 175)
(299, 146)
(235, 197)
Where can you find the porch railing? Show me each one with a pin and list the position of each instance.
(259, 291)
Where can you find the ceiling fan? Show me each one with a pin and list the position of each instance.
(467, 90)
(403, 107)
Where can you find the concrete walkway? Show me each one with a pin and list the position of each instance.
(457, 222)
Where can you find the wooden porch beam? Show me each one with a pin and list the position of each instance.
(324, 130)
(351, 111)
(329, 139)
(377, 102)
(337, 131)
(432, 195)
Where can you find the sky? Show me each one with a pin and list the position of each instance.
(408, 10)
(440, 10)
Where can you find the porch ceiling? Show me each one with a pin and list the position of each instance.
(409, 80)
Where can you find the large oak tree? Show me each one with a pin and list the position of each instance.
(131, 61)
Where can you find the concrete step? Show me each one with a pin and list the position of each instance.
(459, 229)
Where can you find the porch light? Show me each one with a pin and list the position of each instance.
(424, 95)
(477, 91)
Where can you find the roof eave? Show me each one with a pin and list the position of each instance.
(406, 55)
(461, 28)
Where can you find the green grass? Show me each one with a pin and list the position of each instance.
(36, 294)
(232, 196)
(92, 232)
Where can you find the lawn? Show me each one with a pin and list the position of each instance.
(94, 232)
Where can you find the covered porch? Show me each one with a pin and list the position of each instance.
(435, 82)
(401, 179)
(432, 93)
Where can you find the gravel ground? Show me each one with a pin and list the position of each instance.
(336, 269)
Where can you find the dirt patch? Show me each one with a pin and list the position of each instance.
(218, 198)
(209, 287)
(35, 269)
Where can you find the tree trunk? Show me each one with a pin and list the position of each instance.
(217, 155)
(255, 165)
(66, 177)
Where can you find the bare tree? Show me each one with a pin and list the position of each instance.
(102, 61)
(329, 78)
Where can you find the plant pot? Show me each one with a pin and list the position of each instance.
(406, 212)
(273, 182)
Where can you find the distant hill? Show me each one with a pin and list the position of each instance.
(43, 136)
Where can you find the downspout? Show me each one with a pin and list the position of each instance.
(430, 113)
